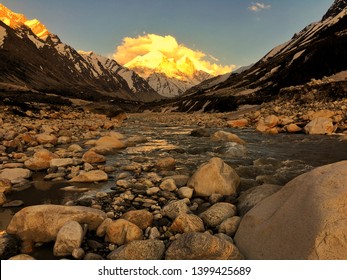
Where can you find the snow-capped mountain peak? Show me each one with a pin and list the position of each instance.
(15, 20)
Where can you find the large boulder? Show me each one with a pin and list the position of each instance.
(40, 160)
(306, 219)
(201, 246)
(214, 177)
(139, 250)
(320, 125)
(41, 223)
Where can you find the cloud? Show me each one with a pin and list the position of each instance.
(167, 45)
(257, 7)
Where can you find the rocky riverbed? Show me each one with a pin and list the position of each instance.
(80, 185)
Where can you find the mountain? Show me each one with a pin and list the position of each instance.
(168, 77)
(317, 53)
(34, 58)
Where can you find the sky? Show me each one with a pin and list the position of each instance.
(227, 32)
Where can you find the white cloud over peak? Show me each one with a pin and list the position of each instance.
(256, 7)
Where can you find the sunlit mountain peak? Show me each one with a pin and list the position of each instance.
(15, 20)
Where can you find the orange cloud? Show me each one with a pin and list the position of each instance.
(167, 45)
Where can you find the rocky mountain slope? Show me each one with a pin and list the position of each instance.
(34, 58)
(317, 53)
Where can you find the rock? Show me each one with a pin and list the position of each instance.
(185, 192)
(180, 180)
(101, 231)
(22, 257)
(9, 246)
(293, 128)
(238, 123)
(200, 132)
(40, 160)
(187, 223)
(78, 253)
(74, 148)
(92, 157)
(46, 139)
(229, 226)
(3, 198)
(139, 250)
(122, 231)
(14, 174)
(152, 190)
(271, 121)
(306, 219)
(13, 203)
(5, 185)
(168, 185)
(90, 176)
(217, 213)
(69, 237)
(62, 162)
(248, 199)
(41, 223)
(154, 233)
(227, 136)
(108, 145)
(175, 208)
(142, 218)
(322, 114)
(201, 246)
(214, 177)
(320, 126)
(234, 150)
(166, 164)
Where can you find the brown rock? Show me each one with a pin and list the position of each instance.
(166, 164)
(293, 128)
(46, 139)
(142, 218)
(238, 123)
(93, 157)
(40, 160)
(90, 177)
(320, 126)
(227, 136)
(217, 213)
(187, 223)
(122, 231)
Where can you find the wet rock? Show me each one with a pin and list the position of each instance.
(22, 257)
(200, 132)
(248, 199)
(139, 250)
(93, 157)
(306, 219)
(229, 226)
(187, 223)
(40, 160)
(122, 231)
(108, 145)
(227, 136)
(214, 177)
(168, 185)
(233, 150)
(13, 203)
(217, 213)
(9, 246)
(90, 176)
(175, 208)
(14, 174)
(320, 126)
(201, 246)
(41, 223)
(69, 237)
(166, 164)
(142, 218)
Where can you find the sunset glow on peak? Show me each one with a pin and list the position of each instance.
(165, 54)
(15, 20)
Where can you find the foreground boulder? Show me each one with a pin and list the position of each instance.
(202, 246)
(214, 177)
(41, 223)
(139, 250)
(306, 219)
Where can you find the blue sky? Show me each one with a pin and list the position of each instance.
(234, 31)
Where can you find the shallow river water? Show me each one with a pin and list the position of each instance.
(269, 158)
